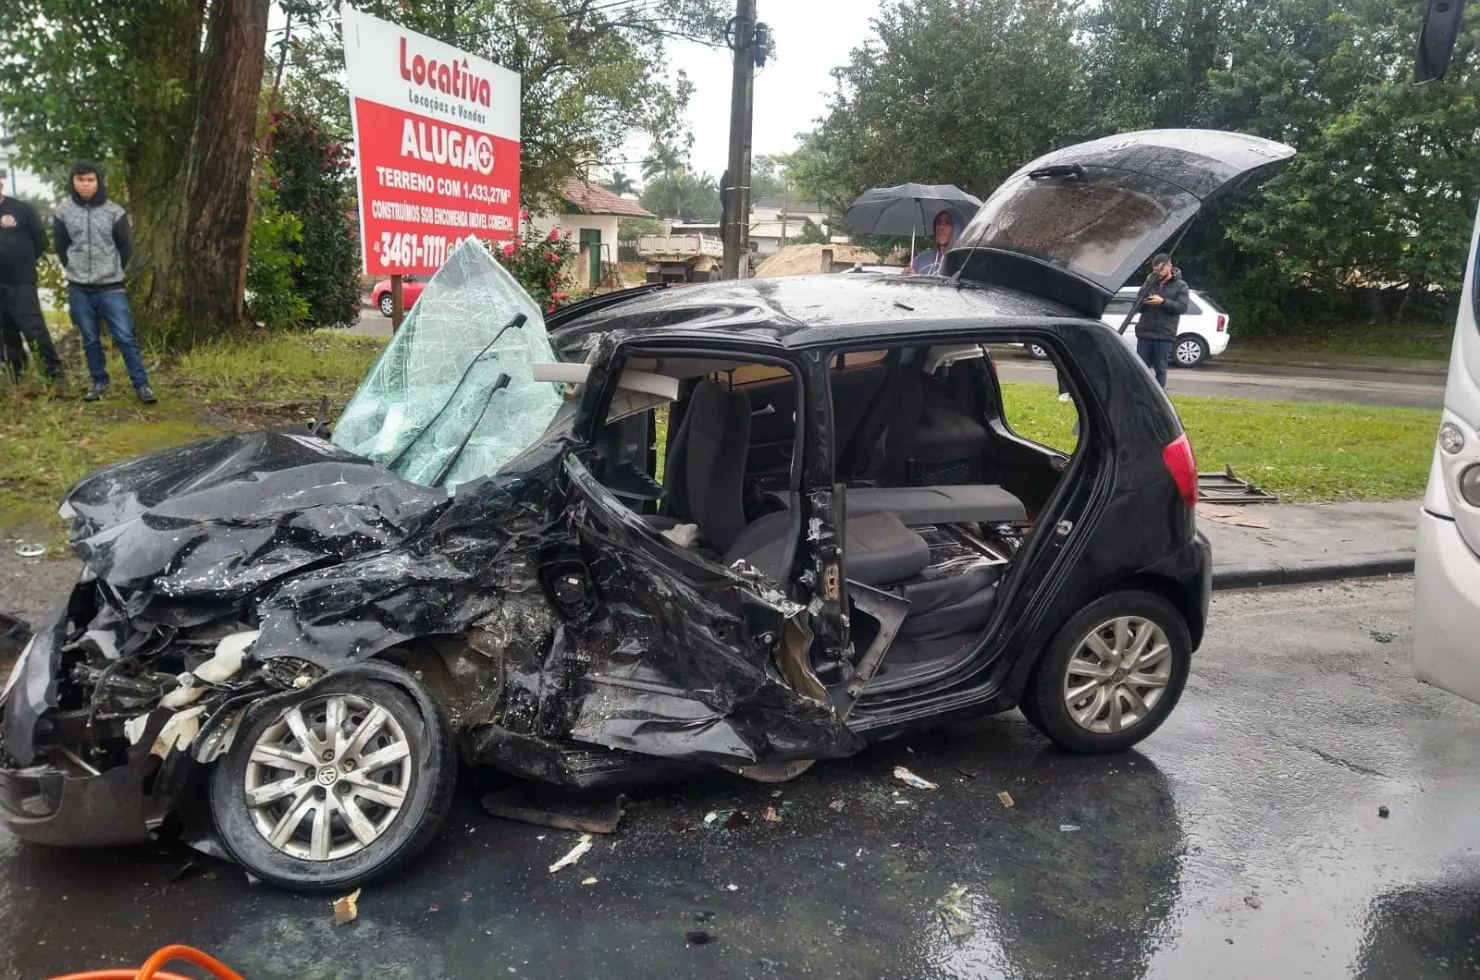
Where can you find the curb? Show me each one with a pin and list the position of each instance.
(1436, 369)
(1257, 576)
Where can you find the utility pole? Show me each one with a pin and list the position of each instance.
(742, 37)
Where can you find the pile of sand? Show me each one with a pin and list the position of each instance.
(806, 260)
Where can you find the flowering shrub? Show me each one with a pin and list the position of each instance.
(309, 171)
(537, 261)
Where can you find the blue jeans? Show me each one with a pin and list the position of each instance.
(112, 306)
(1155, 354)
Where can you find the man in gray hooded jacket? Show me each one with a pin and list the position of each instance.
(94, 244)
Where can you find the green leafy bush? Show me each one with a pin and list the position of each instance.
(272, 296)
(312, 181)
(537, 260)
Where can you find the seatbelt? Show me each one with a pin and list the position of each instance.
(860, 450)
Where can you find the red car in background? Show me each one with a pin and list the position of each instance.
(411, 287)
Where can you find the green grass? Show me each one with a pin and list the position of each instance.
(1302, 452)
(1407, 341)
(49, 438)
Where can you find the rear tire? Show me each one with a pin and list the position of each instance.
(1037, 352)
(1189, 351)
(348, 803)
(387, 306)
(1112, 674)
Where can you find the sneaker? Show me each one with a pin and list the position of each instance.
(95, 392)
(146, 394)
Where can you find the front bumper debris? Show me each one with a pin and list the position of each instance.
(45, 805)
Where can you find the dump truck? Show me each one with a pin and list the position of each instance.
(681, 258)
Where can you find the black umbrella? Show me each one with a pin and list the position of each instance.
(909, 209)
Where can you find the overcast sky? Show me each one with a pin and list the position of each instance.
(812, 37)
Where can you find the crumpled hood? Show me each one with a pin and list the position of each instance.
(219, 519)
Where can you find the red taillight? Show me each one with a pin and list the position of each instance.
(1183, 467)
(1222, 322)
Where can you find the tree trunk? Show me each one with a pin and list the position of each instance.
(156, 166)
(222, 169)
(190, 170)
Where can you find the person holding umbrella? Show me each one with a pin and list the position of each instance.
(933, 262)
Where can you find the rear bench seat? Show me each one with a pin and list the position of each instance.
(919, 506)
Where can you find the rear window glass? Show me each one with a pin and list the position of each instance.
(1120, 305)
(1091, 222)
(1193, 308)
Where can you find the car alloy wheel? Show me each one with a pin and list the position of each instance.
(387, 306)
(1117, 675)
(339, 786)
(1190, 351)
(329, 777)
(1037, 352)
(1111, 675)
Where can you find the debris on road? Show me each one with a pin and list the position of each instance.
(910, 779)
(732, 888)
(771, 815)
(1383, 811)
(736, 820)
(31, 550)
(836, 806)
(347, 909)
(1006, 798)
(547, 807)
(685, 826)
(1068, 828)
(588, 881)
(1252, 901)
(953, 917)
(966, 772)
(1228, 489)
(1232, 516)
(711, 817)
(697, 937)
(1380, 636)
(573, 855)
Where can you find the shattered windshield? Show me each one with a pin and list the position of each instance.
(431, 407)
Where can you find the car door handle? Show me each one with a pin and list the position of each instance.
(768, 410)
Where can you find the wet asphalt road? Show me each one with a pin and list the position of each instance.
(1244, 840)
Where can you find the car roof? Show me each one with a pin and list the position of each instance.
(800, 311)
(1133, 290)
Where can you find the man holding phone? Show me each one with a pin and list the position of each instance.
(1164, 302)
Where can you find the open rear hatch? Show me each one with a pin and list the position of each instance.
(1074, 225)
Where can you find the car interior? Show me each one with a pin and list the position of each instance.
(940, 492)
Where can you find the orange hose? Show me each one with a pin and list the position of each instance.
(151, 968)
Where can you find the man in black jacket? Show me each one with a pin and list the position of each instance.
(22, 243)
(1161, 312)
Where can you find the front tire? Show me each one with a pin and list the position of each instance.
(1112, 675)
(1189, 351)
(337, 789)
(387, 307)
(1037, 352)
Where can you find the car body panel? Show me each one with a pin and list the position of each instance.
(1446, 583)
(411, 289)
(1201, 319)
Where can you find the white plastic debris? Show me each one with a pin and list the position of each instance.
(683, 535)
(573, 855)
(134, 729)
(31, 550)
(178, 732)
(224, 665)
(910, 779)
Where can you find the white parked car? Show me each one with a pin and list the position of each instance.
(1204, 328)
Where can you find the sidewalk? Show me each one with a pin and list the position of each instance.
(1314, 543)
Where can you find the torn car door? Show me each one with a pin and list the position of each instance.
(676, 656)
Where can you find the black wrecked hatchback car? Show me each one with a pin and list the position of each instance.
(747, 524)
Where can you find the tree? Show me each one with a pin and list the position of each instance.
(664, 160)
(620, 184)
(770, 175)
(947, 91)
(166, 90)
(683, 195)
(811, 234)
(310, 176)
(630, 229)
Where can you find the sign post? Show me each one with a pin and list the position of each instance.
(436, 147)
(398, 304)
